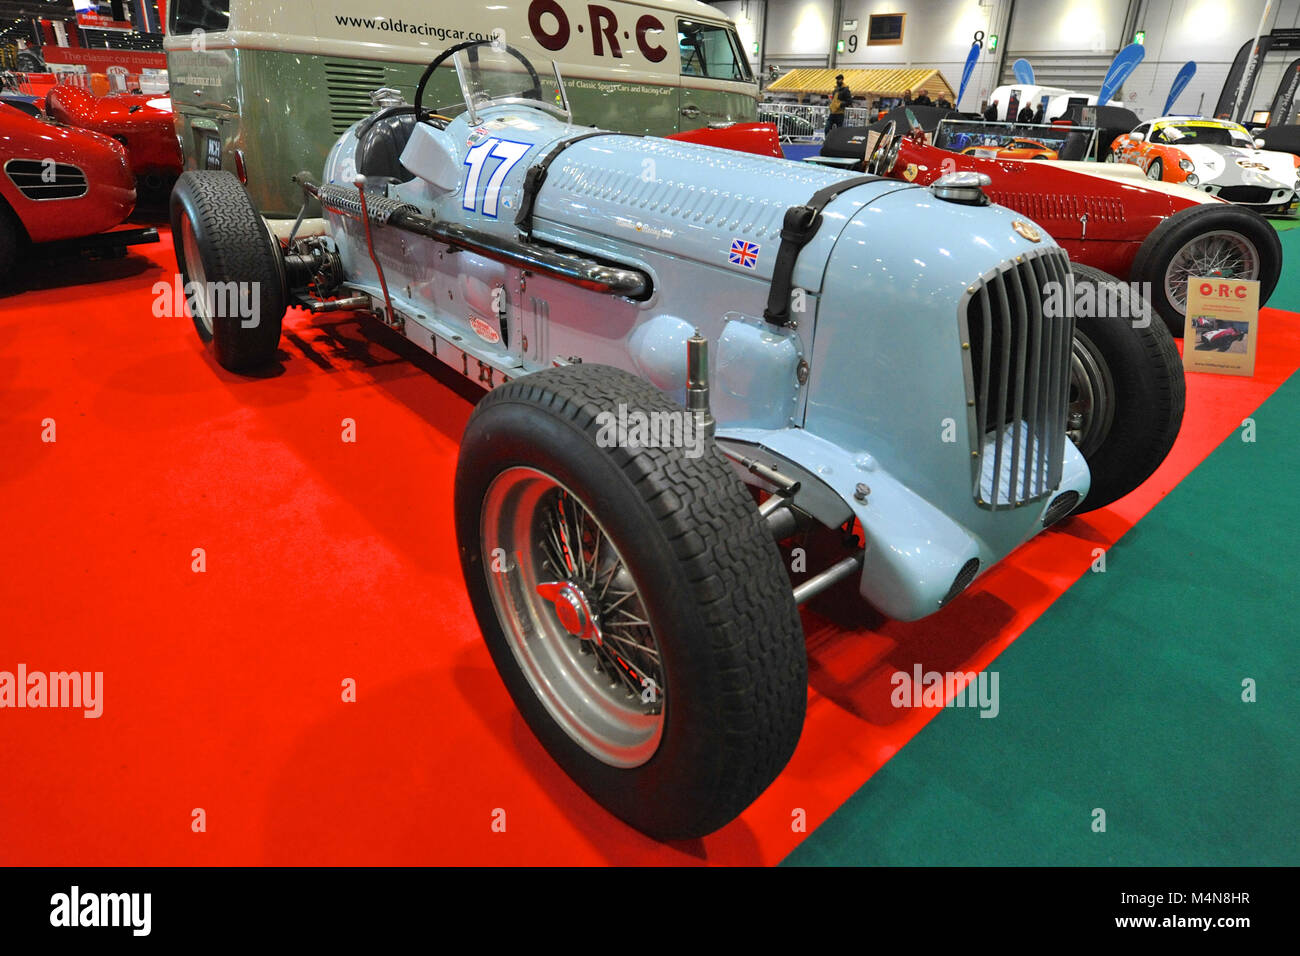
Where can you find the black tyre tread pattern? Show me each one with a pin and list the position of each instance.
(736, 575)
(1122, 465)
(237, 250)
(1153, 255)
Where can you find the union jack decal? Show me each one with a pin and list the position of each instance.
(743, 253)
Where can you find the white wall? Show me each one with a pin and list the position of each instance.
(1074, 26)
(1209, 32)
(798, 31)
(938, 34)
(748, 17)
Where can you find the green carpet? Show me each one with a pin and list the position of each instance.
(1127, 696)
(1287, 294)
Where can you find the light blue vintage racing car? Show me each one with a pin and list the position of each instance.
(693, 356)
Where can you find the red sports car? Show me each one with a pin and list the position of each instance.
(1130, 227)
(762, 139)
(143, 124)
(1104, 215)
(61, 184)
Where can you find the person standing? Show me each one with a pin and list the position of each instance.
(840, 98)
(922, 99)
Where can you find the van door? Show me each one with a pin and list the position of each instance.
(717, 87)
(204, 83)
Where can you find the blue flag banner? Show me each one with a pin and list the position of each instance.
(1125, 62)
(969, 68)
(1024, 72)
(1180, 83)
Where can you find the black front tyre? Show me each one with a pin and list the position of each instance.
(632, 600)
(1216, 240)
(1127, 392)
(232, 269)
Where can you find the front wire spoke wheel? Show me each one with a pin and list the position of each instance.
(1222, 254)
(631, 599)
(574, 617)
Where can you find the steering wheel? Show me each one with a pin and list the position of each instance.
(422, 115)
(886, 154)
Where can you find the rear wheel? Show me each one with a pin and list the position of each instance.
(632, 600)
(1214, 240)
(232, 268)
(1126, 393)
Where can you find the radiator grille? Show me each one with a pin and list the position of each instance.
(349, 86)
(1017, 379)
(40, 180)
(1256, 195)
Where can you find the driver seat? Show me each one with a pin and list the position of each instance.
(382, 141)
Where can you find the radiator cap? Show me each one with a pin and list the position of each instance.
(966, 188)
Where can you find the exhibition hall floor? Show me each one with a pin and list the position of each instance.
(329, 562)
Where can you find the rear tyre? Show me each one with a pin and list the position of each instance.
(1214, 239)
(1126, 394)
(223, 247)
(598, 572)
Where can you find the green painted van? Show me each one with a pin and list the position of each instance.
(264, 87)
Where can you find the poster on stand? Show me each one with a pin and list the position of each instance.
(1221, 326)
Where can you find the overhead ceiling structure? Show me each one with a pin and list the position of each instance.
(880, 82)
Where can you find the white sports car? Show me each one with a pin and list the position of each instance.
(1215, 156)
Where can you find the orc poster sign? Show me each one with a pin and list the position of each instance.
(1222, 321)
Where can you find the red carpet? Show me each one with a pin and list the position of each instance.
(329, 561)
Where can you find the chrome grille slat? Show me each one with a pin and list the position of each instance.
(1004, 310)
(1063, 331)
(1020, 394)
(1038, 387)
(1021, 318)
(987, 313)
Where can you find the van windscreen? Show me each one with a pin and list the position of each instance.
(210, 16)
(712, 51)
